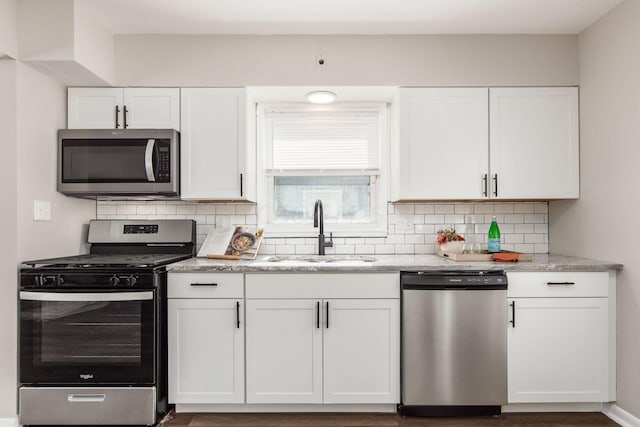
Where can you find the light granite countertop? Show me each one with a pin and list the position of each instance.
(354, 263)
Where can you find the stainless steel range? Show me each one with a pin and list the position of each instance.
(93, 328)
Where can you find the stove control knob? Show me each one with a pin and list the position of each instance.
(132, 280)
(114, 280)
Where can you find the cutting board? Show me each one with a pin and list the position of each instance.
(481, 257)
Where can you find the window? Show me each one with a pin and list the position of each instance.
(333, 154)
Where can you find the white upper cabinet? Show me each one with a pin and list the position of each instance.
(214, 144)
(534, 142)
(444, 143)
(122, 108)
(479, 143)
(152, 108)
(94, 108)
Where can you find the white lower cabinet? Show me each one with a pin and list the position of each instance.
(359, 351)
(311, 348)
(559, 339)
(206, 339)
(284, 351)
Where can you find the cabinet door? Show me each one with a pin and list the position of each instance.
(534, 142)
(213, 144)
(284, 351)
(362, 351)
(206, 351)
(443, 143)
(94, 108)
(152, 108)
(558, 350)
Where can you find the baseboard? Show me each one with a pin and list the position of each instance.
(619, 415)
(553, 407)
(252, 407)
(8, 422)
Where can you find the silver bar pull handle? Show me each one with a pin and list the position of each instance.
(86, 397)
(148, 160)
(86, 296)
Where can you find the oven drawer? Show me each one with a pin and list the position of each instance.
(206, 285)
(87, 405)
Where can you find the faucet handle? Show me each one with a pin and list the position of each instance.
(329, 244)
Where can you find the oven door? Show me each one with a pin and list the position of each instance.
(87, 337)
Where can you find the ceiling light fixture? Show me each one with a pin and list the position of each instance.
(321, 97)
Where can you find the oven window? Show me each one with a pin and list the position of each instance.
(78, 341)
(90, 332)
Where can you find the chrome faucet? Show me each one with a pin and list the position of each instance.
(318, 221)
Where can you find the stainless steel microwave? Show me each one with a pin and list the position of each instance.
(119, 163)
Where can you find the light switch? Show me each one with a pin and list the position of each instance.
(41, 210)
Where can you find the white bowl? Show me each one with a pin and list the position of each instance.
(454, 247)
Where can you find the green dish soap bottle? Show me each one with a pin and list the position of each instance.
(494, 236)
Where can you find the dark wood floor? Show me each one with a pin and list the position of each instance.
(381, 420)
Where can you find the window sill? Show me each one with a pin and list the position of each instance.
(287, 234)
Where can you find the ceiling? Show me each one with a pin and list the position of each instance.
(348, 16)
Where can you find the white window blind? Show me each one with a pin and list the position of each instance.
(298, 141)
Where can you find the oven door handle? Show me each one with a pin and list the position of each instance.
(148, 160)
(87, 297)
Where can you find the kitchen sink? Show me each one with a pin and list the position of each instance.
(320, 258)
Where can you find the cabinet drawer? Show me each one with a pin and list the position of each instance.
(324, 285)
(205, 285)
(558, 284)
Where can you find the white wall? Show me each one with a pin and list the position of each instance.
(350, 60)
(45, 29)
(32, 109)
(603, 223)
(62, 38)
(93, 44)
(8, 28)
(41, 112)
(8, 231)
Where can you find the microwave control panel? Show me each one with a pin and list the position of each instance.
(164, 163)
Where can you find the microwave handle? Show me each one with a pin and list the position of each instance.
(148, 160)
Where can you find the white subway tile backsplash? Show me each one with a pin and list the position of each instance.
(126, 210)
(414, 238)
(411, 227)
(434, 219)
(425, 208)
(524, 228)
(404, 209)
(225, 209)
(454, 219)
(245, 209)
(365, 249)
(513, 219)
(186, 209)
(444, 209)
(535, 218)
(206, 209)
(404, 229)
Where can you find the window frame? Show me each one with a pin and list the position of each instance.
(379, 182)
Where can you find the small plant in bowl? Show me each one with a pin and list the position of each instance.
(450, 241)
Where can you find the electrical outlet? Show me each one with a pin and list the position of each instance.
(41, 210)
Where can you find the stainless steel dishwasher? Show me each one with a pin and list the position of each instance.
(454, 343)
